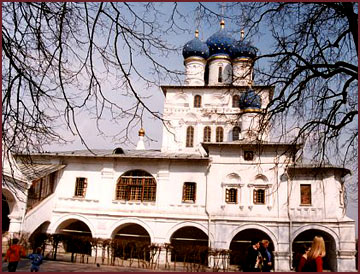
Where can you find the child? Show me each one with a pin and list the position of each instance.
(36, 260)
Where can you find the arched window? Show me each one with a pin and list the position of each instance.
(235, 101)
(190, 137)
(220, 78)
(197, 101)
(235, 133)
(136, 185)
(207, 134)
(219, 134)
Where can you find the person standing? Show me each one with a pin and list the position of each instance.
(266, 256)
(36, 260)
(13, 255)
(253, 261)
(314, 262)
(301, 258)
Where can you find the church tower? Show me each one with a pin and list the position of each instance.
(218, 101)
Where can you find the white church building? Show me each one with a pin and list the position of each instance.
(217, 181)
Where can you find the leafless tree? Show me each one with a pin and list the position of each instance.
(312, 62)
(60, 59)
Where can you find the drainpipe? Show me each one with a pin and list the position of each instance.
(289, 184)
(206, 203)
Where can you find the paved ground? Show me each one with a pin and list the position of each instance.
(57, 266)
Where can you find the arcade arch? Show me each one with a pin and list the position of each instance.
(306, 237)
(241, 242)
(190, 244)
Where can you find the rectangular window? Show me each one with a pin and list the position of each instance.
(80, 187)
(231, 196)
(220, 78)
(189, 192)
(305, 194)
(259, 196)
(249, 155)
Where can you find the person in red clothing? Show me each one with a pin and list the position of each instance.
(13, 255)
(301, 258)
(314, 262)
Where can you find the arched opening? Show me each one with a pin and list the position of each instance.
(75, 236)
(235, 133)
(5, 215)
(131, 241)
(241, 242)
(39, 237)
(190, 244)
(306, 237)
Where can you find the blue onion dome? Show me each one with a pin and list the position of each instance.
(250, 100)
(221, 43)
(195, 48)
(243, 49)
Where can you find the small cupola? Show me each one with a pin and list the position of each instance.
(220, 45)
(141, 144)
(195, 48)
(250, 101)
(243, 56)
(195, 53)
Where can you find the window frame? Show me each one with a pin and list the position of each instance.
(236, 101)
(238, 133)
(136, 186)
(189, 136)
(219, 134)
(189, 192)
(207, 134)
(256, 192)
(83, 187)
(228, 195)
(220, 74)
(302, 195)
(247, 154)
(197, 101)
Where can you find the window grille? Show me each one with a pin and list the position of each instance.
(136, 185)
(305, 194)
(80, 187)
(207, 134)
(231, 195)
(236, 133)
(219, 134)
(189, 192)
(259, 196)
(190, 137)
(197, 101)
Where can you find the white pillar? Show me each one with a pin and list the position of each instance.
(220, 70)
(242, 71)
(195, 71)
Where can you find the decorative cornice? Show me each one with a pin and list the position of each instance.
(226, 57)
(194, 58)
